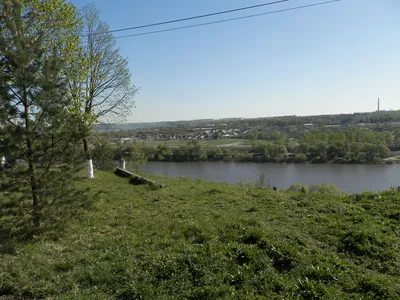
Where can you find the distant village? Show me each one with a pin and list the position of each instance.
(209, 132)
(215, 131)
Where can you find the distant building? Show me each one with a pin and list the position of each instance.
(123, 140)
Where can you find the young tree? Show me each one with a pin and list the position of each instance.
(103, 155)
(136, 156)
(106, 91)
(37, 42)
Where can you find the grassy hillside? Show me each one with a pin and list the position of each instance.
(201, 240)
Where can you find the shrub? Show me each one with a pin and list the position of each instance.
(280, 158)
(298, 188)
(300, 158)
(102, 155)
(246, 185)
(242, 157)
(263, 181)
(228, 158)
(136, 156)
(325, 189)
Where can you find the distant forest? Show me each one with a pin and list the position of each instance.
(378, 117)
(347, 138)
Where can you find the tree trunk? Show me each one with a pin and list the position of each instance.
(32, 177)
(86, 147)
(34, 190)
(90, 171)
(35, 197)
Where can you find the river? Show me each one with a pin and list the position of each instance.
(348, 178)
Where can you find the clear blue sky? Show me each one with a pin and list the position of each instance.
(336, 58)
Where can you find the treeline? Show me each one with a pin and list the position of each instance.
(319, 145)
(105, 156)
(352, 146)
(380, 117)
(193, 151)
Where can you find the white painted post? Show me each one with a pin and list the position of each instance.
(90, 173)
(3, 162)
(123, 164)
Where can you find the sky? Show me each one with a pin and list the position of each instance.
(335, 58)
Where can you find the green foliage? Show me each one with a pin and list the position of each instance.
(196, 151)
(215, 154)
(103, 155)
(136, 156)
(241, 156)
(164, 153)
(269, 152)
(324, 189)
(298, 188)
(37, 126)
(317, 145)
(181, 154)
(198, 239)
(300, 158)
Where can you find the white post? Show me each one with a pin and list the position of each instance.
(123, 164)
(90, 173)
(3, 162)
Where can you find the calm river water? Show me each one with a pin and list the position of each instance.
(348, 178)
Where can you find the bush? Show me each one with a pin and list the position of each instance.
(102, 155)
(136, 156)
(228, 158)
(319, 160)
(242, 157)
(298, 188)
(300, 158)
(340, 161)
(214, 154)
(325, 189)
(280, 158)
(263, 181)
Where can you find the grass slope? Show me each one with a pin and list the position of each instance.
(201, 240)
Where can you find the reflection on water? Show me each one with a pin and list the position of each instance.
(348, 178)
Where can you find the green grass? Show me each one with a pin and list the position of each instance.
(195, 239)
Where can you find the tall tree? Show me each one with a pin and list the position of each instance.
(37, 43)
(107, 90)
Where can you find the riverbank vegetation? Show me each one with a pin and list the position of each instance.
(319, 145)
(195, 239)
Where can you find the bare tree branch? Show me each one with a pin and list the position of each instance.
(109, 91)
